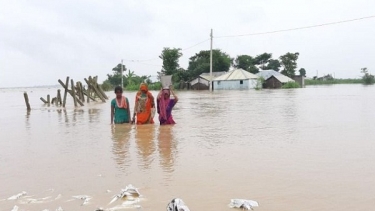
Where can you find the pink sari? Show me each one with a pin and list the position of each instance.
(165, 107)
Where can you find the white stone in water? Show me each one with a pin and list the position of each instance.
(177, 205)
(243, 204)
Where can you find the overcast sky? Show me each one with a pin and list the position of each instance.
(43, 41)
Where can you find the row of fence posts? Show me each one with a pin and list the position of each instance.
(78, 92)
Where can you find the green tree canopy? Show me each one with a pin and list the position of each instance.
(302, 72)
(263, 59)
(289, 63)
(170, 57)
(367, 77)
(273, 64)
(200, 62)
(246, 62)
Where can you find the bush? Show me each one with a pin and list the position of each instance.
(107, 86)
(290, 85)
(135, 87)
(259, 84)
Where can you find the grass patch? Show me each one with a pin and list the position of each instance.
(290, 85)
(334, 81)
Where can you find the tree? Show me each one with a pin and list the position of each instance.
(263, 59)
(289, 63)
(115, 78)
(170, 57)
(200, 62)
(246, 62)
(367, 77)
(273, 64)
(129, 77)
(302, 72)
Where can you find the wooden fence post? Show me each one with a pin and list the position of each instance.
(27, 101)
(66, 90)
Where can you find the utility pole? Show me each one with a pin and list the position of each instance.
(211, 63)
(122, 76)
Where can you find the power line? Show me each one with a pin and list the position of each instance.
(298, 28)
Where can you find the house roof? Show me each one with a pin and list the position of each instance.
(236, 74)
(207, 77)
(266, 74)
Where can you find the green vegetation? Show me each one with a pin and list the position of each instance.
(289, 62)
(259, 84)
(367, 77)
(200, 63)
(333, 81)
(290, 85)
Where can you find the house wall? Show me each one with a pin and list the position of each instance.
(300, 80)
(235, 84)
(199, 83)
(199, 86)
(272, 83)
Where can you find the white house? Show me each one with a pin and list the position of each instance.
(236, 79)
(202, 82)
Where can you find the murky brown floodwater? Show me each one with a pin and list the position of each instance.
(300, 150)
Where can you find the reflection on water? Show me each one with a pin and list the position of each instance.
(121, 144)
(167, 148)
(288, 149)
(145, 141)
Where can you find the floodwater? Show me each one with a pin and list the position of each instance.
(299, 150)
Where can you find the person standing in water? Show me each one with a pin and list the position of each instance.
(165, 105)
(120, 111)
(144, 108)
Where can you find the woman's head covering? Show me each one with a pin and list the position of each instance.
(143, 87)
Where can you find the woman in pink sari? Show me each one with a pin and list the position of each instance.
(165, 105)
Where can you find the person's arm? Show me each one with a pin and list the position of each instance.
(112, 113)
(129, 118)
(152, 101)
(135, 109)
(159, 95)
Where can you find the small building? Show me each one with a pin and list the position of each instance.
(300, 79)
(273, 79)
(237, 79)
(202, 82)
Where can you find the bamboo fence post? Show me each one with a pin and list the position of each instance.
(66, 89)
(81, 92)
(88, 91)
(26, 101)
(98, 93)
(43, 100)
(53, 101)
(90, 83)
(69, 91)
(48, 100)
(59, 97)
(73, 93)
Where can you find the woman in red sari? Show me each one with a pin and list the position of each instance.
(144, 106)
(165, 105)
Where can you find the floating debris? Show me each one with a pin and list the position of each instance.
(58, 196)
(85, 199)
(129, 192)
(59, 209)
(15, 208)
(177, 205)
(17, 196)
(243, 204)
